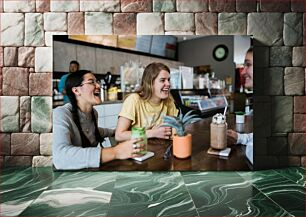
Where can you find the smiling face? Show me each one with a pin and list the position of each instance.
(248, 70)
(161, 86)
(88, 93)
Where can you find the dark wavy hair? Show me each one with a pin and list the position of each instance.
(75, 79)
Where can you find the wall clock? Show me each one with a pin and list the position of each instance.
(220, 52)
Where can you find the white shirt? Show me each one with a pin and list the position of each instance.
(247, 139)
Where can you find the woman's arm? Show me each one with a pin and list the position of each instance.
(122, 130)
(122, 151)
(159, 132)
(66, 147)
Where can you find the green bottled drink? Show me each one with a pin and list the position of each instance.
(140, 132)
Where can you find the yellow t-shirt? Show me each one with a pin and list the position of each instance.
(144, 113)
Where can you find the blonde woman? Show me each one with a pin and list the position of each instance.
(147, 107)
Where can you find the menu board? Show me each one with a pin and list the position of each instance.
(106, 40)
(127, 42)
(159, 45)
(163, 45)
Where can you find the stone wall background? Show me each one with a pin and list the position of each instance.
(26, 64)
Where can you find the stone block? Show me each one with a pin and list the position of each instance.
(164, 5)
(289, 161)
(303, 161)
(25, 114)
(41, 114)
(294, 81)
(34, 29)
(206, 23)
(17, 161)
(40, 84)
(136, 6)
(272, 6)
(42, 6)
(156, 26)
(262, 123)
(5, 144)
(179, 22)
(49, 37)
(1, 157)
(222, 5)
(9, 114)
(1, 81)
(297, 6)
(265, 162)
(298, 56)
(259, 81)
(42, 161)
(19, 6)
(25, 144)
(260, 146)
(15, 81)
(76, 23)
(26, 56)
(191, 5)
(280, 56)
(282, 117)
(43, 59)
(55, 21)
(246, 5)
(232, 23)
(46, 144)
(261, 57)
(10, 56)
(12, 24)
(1, 56)
(98, 23)
(296, 143)
(274, 81)
(261, 23)
(299, 125)
(304, 32)
(179, 33)
(101, 5)
(293, 29)
(299, 104)
(64, 6)
(124, 24)
(278, 146)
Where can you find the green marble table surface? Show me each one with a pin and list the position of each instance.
(43, 192)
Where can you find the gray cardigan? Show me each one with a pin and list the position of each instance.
(68, 152)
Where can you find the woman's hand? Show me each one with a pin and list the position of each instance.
(232, 137)
(160, 132)
(128, 149)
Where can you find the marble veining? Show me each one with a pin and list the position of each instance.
(43, 192)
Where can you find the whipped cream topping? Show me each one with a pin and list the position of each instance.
(219, 119)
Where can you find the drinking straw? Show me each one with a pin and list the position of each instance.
(224, 111)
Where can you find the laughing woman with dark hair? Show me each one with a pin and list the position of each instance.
(76, 135)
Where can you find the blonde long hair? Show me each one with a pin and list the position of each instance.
(145, 91)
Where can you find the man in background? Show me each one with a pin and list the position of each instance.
(73, 67)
